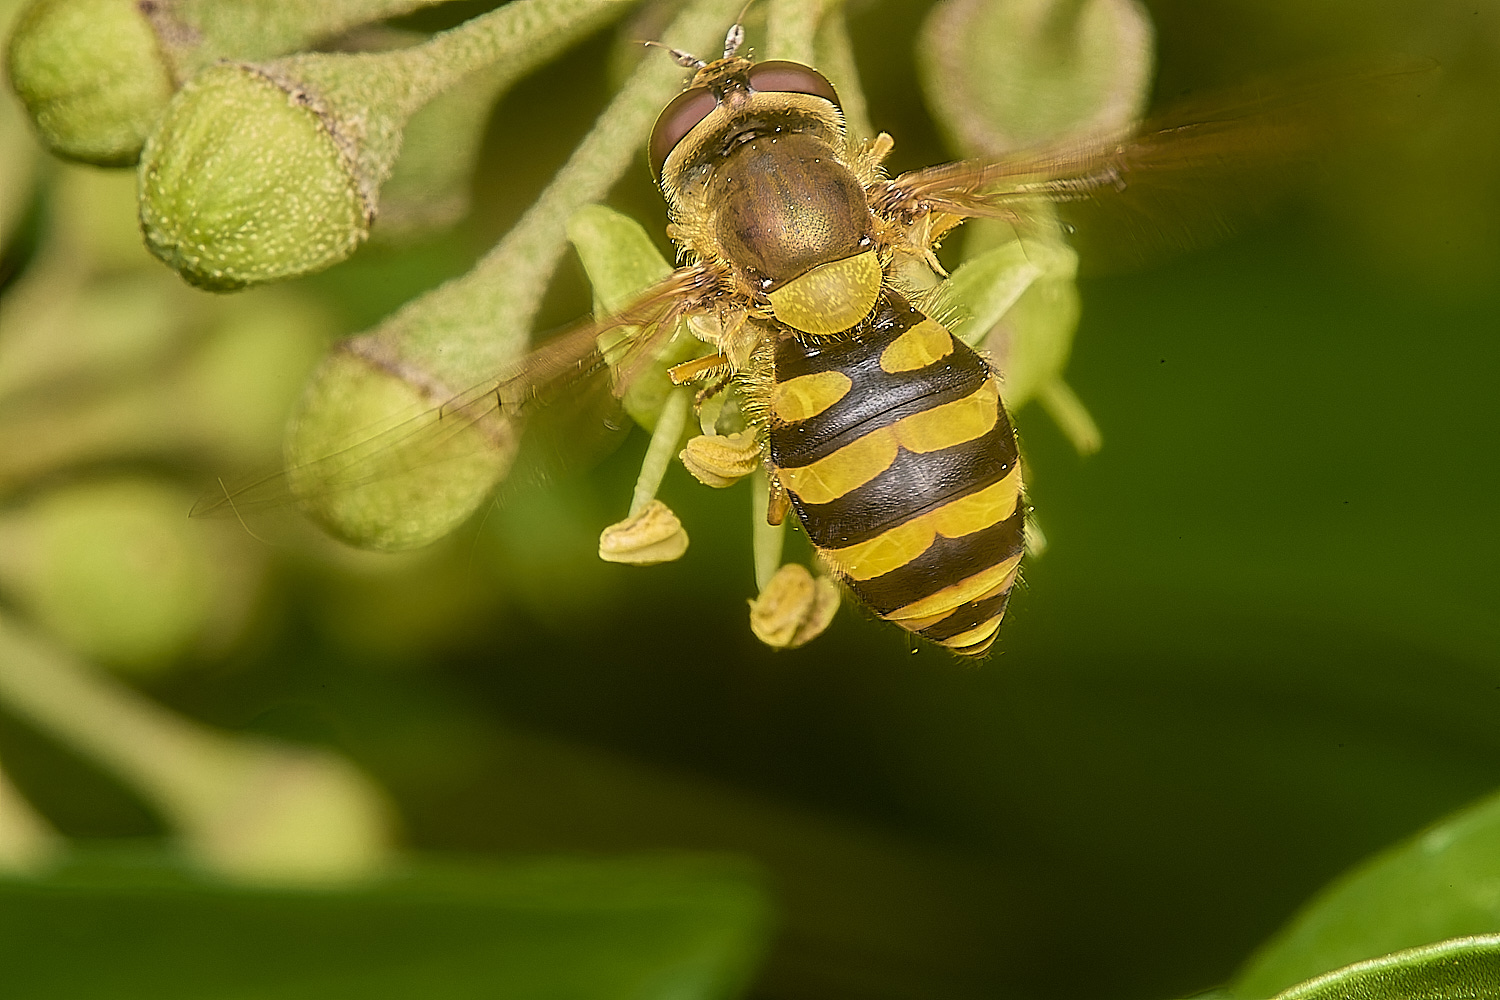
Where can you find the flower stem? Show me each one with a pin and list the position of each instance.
(247, 807)
(469, 328)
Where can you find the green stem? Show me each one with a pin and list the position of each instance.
(368, 96)
(665, 440)
(247, 806)
(196, 33)
(27, 841)
(835, 55)
(181, 766)
(519, 36)
(791, 26)
(469, 328)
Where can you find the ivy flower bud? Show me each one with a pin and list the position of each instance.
(97, 74)
(92, 76)
(1004, 76)
(460, 333)
(112, 569)
(260, 172)
(243, 182)
(401, 489)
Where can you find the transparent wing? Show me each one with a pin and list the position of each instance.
(488, 417)
(1194, 161)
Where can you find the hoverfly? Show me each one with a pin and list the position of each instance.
(883, 433)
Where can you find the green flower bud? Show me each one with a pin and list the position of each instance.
(458, 334)
(92, 76)
(287, 815)
(375, 464)
(246, 808)
(245, 183)
(114, 570)
(97, 74)
(1006, 75)
(19, 157)
(259, 173)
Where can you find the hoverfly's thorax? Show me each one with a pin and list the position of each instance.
(784, 205)
(773, 198)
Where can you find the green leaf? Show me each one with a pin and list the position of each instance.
(1453, 970)
(1443, 883)
(621, 262)
(119, 927)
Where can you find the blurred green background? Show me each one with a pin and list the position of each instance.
(1264, 641)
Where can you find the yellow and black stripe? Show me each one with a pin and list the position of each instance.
(897, 454)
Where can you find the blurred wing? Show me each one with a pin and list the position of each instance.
(491, 415)
(1197, 159)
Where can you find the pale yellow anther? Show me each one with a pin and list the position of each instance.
(721, 460)
(650, 536)
(794, 608)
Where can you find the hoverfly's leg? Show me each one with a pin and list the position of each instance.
(698, 369)
(793, 606)
(715, 459)
(651, 533)
(767, 536)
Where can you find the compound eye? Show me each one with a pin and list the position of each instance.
(786, 77)
(676, 120)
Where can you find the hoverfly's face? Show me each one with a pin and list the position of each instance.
(727, 86)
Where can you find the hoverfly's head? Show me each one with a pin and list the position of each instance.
(726, 85)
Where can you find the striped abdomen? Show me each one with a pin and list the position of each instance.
(897, 454)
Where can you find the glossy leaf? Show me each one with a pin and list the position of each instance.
(1443, 883)
(112, 927)
(1463, 969)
